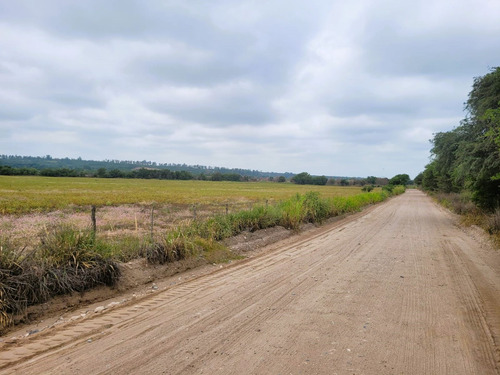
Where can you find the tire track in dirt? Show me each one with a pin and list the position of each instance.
(124, 316)
(398, 289)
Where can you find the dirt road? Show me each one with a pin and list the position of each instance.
(399, 290)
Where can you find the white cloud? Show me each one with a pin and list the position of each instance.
(338, 88)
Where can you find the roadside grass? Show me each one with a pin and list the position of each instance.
(470, 214)
(66, 261)
(69, 259)
(198, 237)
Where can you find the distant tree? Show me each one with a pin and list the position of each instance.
(418, 180)
(281, 179)
(400, 179)
(166, 174)
(303, 178)
(319, 180)
(101, 173)
(217, 176)
(115, 173)
(371, 180)
(358, 182)
(231, 177)
(6, 170)
(183, 175)
(344, 182)
(381, 181)
(429, 180)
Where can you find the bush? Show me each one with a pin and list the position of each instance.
(398, 189)
(367, 188)
(388, 188)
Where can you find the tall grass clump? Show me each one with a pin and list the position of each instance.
(67, 260)
(9, 267)
(307, 208)
(176, 245)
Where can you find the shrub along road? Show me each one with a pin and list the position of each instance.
(400, 289)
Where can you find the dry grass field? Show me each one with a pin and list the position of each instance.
(30, 206)
(27, 194)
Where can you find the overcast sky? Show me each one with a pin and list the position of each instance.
(352, 88)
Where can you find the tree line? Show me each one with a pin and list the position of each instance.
(467, 158)
(140, 173)
(82, 166)
(303, 178)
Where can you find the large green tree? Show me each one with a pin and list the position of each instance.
(468, 157)
(478, 157)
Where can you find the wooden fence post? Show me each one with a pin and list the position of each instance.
(94, 221)
(152, 222)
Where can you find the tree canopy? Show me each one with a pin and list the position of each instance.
(305, 178)
(468, 157)
(400, 179)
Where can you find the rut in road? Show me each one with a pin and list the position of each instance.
(400, 289)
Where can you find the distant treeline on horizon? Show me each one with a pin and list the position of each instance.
(90, 167)
(66, 167)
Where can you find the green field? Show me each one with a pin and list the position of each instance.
(24, 194)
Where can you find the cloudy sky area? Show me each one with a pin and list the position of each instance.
(350, 88)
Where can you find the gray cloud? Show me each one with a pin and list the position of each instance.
(335, 88)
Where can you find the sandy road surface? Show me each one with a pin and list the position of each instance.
(400, 290)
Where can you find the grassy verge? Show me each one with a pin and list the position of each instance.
(198, 237)
(68, 259)
(470, 214)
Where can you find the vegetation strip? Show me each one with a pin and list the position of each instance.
(464, 174)
(69, 259)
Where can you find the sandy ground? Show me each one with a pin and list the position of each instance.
(400, 289)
